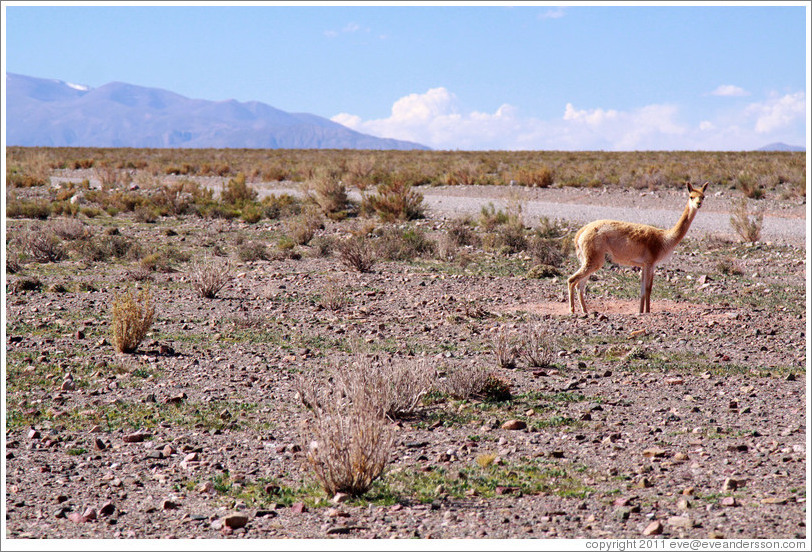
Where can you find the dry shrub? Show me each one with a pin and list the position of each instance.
(357, 253)
(462, 233)
(334, 297)
(132, 317)
(541, 177)
(538, 347)
(504, 348)
(747, 227)
(361, 172)
(209, 277)
(395, 200)
(237, 192)
(71, 229)
(351, 440)
(464, 173)
(328, 191)
(303, 227)
(749, 185)
(476, 383)
(36, 208)
(253, 251)
(404, 244)
(40, 245)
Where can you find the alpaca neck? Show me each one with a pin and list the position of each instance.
(675, 234)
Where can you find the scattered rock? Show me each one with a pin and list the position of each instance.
(514, 425)
(682, 522)
(298, 508)
(235, 521)
(653, 528)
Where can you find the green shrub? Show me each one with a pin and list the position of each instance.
(395, 200)
(237, 192)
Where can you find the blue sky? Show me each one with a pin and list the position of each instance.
(456, 77)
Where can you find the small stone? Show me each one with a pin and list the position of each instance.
(98, 444)
(653, 528)
(773, 500)
(556, 454)
(683, 504)
(68, 385)
(655, 452)
(514, 425)
(137, 437)
(235, 521)
(33, 434)
(680, 457)
(168, 451)
(622, 514)
(729, 484)
(205, 487)
(716, 535)
(96, 429)
(167, 504)
(643, 483)
(79, 334)
(683, 522)
(107, 509)
(339, 498)
(675, 381)
(729, 501)
(298, 508)
(688, 491)
(192, 457)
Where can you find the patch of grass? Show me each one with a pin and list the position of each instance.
(525, 477)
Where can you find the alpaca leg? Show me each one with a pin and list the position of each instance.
(581, 289)
(649, 285)
(643, 285)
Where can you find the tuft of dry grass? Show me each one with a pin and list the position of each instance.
(504, 349)
(746, 226)
(394, 200)
(209, 277)
(132, 318)
(328, 191)
(357, 253)
(40, 245)
(538, 347)
(479, 383)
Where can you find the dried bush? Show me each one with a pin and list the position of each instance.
(132, 318)
(328, 191)
(538, 347)
(33, 209)
(477, 383)
(71, 229)
(303, 227)
(541, 177)
(361, 172)
(40, 245)
(237, 192)
(461, 232)
(252, 251)
(749, 185)
(404, 244)
(209, 277)
(351, 442)
(504, 349)
(356, 253)
(394, 200)
(283, 205)
(747, 227)
(333, 298)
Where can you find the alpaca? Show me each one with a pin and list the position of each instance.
(630, 244)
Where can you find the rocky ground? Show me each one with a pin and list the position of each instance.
(689, 422)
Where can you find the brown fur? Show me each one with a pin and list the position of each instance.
(629, 244)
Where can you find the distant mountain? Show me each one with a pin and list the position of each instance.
(42, 112)
(780, 146)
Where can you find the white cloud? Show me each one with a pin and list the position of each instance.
(434, 118)
(729, 90)
(778, 112)
(349, 28)
(556, 13)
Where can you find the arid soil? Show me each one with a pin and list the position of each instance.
(688, 422)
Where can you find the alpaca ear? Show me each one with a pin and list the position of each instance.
(705, 187)
(690, 188)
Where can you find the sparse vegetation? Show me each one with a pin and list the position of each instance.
(747, 226)
(209, 276)
(132, 317)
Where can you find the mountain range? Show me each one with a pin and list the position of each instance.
(51, 113)
(780, 146)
